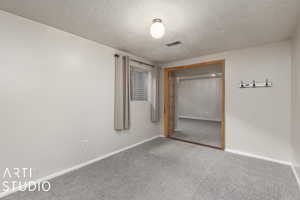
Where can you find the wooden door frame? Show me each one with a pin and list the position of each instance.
(167, 102)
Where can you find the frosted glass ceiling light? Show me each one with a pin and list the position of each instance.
(157, 29)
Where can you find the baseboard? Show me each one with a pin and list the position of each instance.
(257, 156)
(76, 167)
(296, 175)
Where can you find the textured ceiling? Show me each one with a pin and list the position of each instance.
(203, 26)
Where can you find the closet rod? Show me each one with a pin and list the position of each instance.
(202, 76)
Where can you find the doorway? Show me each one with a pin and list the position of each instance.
(194, 103)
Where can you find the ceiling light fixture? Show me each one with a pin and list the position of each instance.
(157, 29)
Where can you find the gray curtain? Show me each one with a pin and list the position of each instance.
(155, 73)
(122, 101)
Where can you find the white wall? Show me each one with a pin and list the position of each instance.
(296, 102)
(57, 99)
(257, 120)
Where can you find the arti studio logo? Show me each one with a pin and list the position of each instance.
(20, 179)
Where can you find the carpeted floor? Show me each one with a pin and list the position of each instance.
(165, 169)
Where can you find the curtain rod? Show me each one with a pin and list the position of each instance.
(137, 61)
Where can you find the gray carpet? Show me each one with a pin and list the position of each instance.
(165, 169)
(204, 132)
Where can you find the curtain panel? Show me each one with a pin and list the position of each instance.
(155, 73)
(122, 93)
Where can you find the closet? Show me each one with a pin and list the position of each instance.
(194, 103)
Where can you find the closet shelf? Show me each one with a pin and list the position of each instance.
(198, 118)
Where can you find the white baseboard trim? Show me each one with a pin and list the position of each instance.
(257, 156)
(296, 175)
(76, 167)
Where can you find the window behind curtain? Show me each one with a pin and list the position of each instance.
(139, 84)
